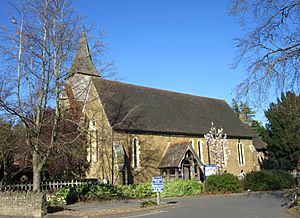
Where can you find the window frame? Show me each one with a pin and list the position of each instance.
(200, 150)
(241, 153)
(135, 153)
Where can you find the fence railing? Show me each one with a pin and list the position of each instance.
(45, 186)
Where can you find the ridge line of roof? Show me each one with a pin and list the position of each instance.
(154, 132)
(162, 90)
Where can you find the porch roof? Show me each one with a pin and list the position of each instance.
(175, 153)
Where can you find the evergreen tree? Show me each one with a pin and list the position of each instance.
(243, 111)
(282, 132)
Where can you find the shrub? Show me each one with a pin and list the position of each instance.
(171, 189)
(54, 200)
(181, 187)
(127, 191)
(100, 192)
(225, 183)
(267, 180)
(88, 192)
(142, 190)
(285, 178)
(62, 197)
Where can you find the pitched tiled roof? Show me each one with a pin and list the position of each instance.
(174, 154)
(258, 142)
(136, 108)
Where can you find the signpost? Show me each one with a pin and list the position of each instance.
(157, 186)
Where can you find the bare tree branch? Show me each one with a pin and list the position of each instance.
(270, 48)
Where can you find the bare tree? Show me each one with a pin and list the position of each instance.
(68, 155)
(270, 47)
(35, 51)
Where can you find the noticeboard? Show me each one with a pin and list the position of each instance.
(157, 184)
(210, 169)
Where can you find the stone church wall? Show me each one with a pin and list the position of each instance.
(151, 147)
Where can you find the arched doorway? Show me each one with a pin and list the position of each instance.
(186, 170)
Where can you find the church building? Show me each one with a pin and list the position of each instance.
(137, 132)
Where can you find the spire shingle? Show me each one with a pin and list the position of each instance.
(82, 63)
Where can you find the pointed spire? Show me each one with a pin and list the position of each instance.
(82, 62)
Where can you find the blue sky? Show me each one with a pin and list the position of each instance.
(183, 46)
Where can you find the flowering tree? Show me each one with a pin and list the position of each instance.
(218, 146)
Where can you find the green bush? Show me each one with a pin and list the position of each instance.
(62, 197)
(54, 200)
(127, 191)
(172, 188)
(100, 192)
(225, 183)
(266, 180)
(181, 187)
(88, 192)
(285, 178)
(142, 190)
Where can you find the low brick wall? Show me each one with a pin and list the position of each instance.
(26, 204)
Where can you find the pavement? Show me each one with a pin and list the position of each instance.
(110, 208)
(245, 205)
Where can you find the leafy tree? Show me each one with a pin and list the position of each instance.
(243, 111)
(282, 132)
(257, 127)
(270, 46)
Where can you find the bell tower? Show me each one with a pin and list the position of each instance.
(82, 71)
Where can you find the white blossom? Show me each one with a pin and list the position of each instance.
(218, 146)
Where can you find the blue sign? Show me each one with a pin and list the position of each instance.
(157, 184)
(210, 169)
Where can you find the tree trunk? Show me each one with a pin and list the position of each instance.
(5, 170)
(36, 170)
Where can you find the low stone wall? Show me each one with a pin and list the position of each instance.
(26, 204)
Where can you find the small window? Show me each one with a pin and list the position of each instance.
(241, 157)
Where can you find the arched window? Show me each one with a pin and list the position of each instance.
(135, 153)
(97, 145)
(200, 150)
(240, 152)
